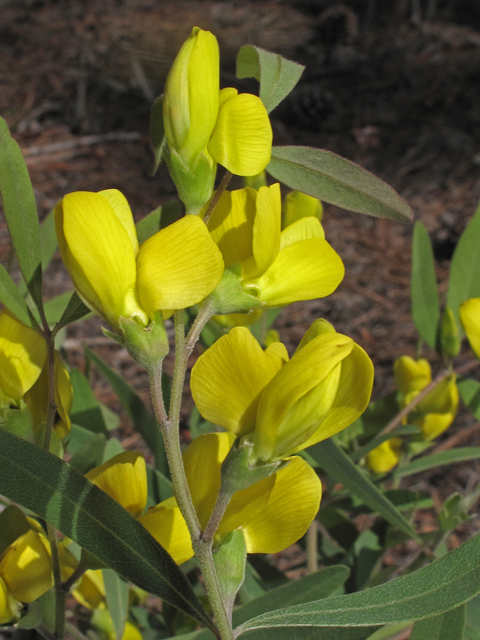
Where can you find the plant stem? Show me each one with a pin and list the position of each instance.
(76, 575)
(219, 509)
(43, 631)
(74, 632)
(312, 548)
(60, 594)
(397, 420)
(214, 201)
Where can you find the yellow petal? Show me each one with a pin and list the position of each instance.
(246, 505)
(8, 606)
(167, 526)
(231, 224)
(124, 478)
(383, 458)
(179, 266)
(353, 396)
(26, 567)
(266, 228)
(122, 210)
(470, 317)
(300, 230)
(303, 271)
(228, 379)
(298, 205)
(302, 373)
(99, 256)
(239, 319)
(277, 352)
(242, 137)
(68, 562)
(292, 506)
(442, 399)
(411, 375)
(434, 424)
(36, 398)
(317, 327)
(22, 355)
(90, 591)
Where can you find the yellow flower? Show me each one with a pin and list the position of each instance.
(438, 409)
(89, 590)
(233, 130)
(22, 354)
(174, 269)
(8, 604)
(124, 478)
(26, 567)
(283, 406)
(411, 375)
(36, 398)
(470, 317)
(103, 623)
(273, 513)
(278, 267)
(383, 458)
(297, 205)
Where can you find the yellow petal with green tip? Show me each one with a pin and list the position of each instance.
(26, 567)
(353, 396)
(383, 458)
(301, 374)
(231, 224)
(266, 228)
(124, 478)
(470, 317)
(293, 504)
(99, 256)
(177, 267)
(23, 352)
(242, 138)
(167, 526)
(298, 205)
(122, 210)
(303, 271)
(411, 375)
(227, 394)
(8, 608)
(300, 230)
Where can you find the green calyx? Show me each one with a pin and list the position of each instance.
(240, 470)
(230, 558)
(195, 181)
(229, 296)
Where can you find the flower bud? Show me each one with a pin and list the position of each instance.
(383, 458)
(449, 334)
(411, 375)
(8, 605)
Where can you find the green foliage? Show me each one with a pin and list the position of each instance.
(158, 219)
(447, 626)
(116, 592)
(470, 393)
(451, 456)
(157, 133)
(424, 292)
(11, 297)
(330, 178)
(74, 311)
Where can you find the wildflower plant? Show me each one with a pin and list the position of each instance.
(271, 430)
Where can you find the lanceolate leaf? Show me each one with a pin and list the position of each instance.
(75, 310)
(464, 279)
(375, 442)
(157, 132)
(116, 592)
(335, 462)
(333, 179)
(55, 491)
(326, 633)
(439, 587)
(277, 76)
(470, 393)
(462, 454)
(424, 292)
(11, 297)
(20, 212)
(447, 626)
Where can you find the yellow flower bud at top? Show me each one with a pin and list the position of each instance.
(470, 317)
(36, 398)
(438, 409)
(191, 99)
(8, 604)
(383, 458)
(22, 354)
(297, 205)
(26, 567)
(412, 375)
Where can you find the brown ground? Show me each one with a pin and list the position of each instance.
(391, 89)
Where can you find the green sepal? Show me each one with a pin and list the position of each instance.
(450, 340)
(194, 183)
(240, 469)
(229, 297)
(230, 559)
(148, 346)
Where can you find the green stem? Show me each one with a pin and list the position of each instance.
(218, 512)
(312, 548)
(76, 575)
(74, 632)
(60, 594)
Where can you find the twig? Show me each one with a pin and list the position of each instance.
(456, 438)
(214, 201)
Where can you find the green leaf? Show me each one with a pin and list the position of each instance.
(20, 212)
(33, 617)
(447, 626)
(48, 239)
(464, 278)
(390, 632)
(116, 592)
(313, 587)
(159, 487)
(90, 453)
(439, 587)
(330, 178)
(62, 496)
(157, 133)
(470, 393)
(329, 633)
(11, 298)
(158, 219)
(405, 430)
(277, 75)
(75, 310)
(85, 408)
(338, 465)
(472, 626)
(141, 417)
(461, 454)
(424, 292)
